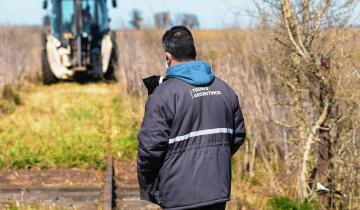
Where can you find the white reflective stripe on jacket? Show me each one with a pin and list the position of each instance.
(201, 133)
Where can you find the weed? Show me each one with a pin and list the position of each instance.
(285, 203)
(126, 146)
(10, 98)
(11, 95)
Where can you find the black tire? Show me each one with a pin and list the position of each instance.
(48, 77)
(111, 74)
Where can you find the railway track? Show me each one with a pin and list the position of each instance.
(119, 190)
(127, 195)
(115, 193)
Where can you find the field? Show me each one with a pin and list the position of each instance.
(71, 125)
(76, 127)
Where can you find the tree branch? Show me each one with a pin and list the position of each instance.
(308, 146)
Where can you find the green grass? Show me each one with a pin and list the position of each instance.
(285, 203)
(68, 126)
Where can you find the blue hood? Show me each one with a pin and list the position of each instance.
(196, 73)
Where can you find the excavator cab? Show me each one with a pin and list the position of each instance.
(78, 41)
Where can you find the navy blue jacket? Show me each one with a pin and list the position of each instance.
(192, 126)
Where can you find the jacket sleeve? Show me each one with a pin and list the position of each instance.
(153, 142)
(239, 128)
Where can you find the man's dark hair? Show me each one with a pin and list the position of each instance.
(179, 42)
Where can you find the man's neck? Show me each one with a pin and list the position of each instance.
(176, 62)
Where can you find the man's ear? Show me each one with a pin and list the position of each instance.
(168, 58)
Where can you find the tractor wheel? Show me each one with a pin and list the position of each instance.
(48, 76)
(111, 73)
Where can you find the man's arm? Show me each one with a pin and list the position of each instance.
(153, 142)
(239, 128)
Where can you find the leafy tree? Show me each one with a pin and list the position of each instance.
(188, 20)
(162, 20)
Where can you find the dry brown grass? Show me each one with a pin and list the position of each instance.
(233, 54)
(20, 54)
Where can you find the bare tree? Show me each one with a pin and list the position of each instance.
(188, 20)
(136, 19)
(310, 60)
